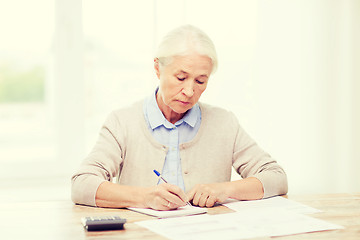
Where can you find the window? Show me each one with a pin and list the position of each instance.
(118, 55)
(26, 131)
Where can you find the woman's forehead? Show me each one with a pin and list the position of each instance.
(188, 64)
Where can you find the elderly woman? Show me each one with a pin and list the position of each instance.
(192, 144)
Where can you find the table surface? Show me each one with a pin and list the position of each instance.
(61, 219)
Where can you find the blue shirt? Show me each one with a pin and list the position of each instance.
(171, 135)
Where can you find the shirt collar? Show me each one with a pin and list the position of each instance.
(156, 118)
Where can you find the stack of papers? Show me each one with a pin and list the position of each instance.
(271, 203)
(182, 211)
(261, 218)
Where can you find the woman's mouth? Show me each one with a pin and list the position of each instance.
(183, 102)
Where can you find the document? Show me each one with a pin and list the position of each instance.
(191, 227)
(182, 211)
(270, 217)
(238, 225)
(272, 203)
(275, 222)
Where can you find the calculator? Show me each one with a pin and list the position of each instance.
(103, 223)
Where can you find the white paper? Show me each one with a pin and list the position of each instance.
(191, 227)
(257, 220)
(181, 211)
(275, 222)
(272, 203)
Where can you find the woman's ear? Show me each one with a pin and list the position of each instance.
(157, 67)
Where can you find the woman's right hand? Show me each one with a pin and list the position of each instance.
(164, 197)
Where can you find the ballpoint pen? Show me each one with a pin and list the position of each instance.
(159, 175)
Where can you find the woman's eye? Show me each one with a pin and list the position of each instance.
(181, 79)
(199, 82)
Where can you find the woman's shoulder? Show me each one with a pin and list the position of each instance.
(219, 122)
(212, 111)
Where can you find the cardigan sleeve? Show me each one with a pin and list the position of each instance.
(249, 160)
(102, 164)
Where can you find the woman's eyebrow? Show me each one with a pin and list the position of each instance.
(186, 73)
(204, 75)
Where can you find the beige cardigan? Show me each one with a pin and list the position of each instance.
(126, 149)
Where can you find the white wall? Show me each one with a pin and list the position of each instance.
(288, 70)
(304, 102)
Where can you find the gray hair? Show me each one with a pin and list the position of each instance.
(184, 40)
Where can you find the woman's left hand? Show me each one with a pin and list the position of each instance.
(206, 195)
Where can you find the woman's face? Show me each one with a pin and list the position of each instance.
(181, 84)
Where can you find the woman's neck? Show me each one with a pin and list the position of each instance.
(168, 113)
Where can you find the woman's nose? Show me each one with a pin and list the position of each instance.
(188, 89)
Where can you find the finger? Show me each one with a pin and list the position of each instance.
(178, 192)
(166, 206)
(170, 205)
(174, 200)
(197, 198)
(210, 201)
(175, 195)
(169, 193)
(203, 199)
(161, 204)
(190, 195)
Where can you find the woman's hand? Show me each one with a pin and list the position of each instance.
(206, 195)
(167, 196)
(164, 197)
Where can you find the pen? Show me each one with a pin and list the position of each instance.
(159, 175)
